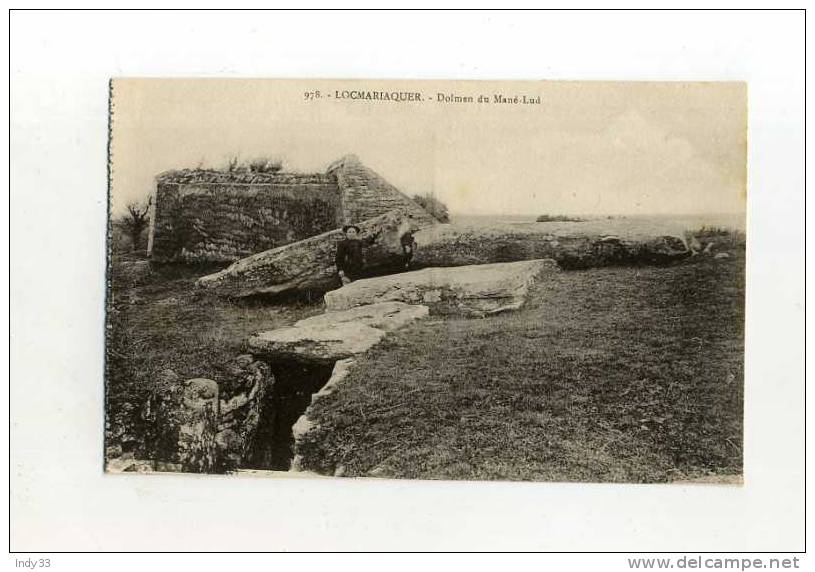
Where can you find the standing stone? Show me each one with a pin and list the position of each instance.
(251, 382)
(198, 426)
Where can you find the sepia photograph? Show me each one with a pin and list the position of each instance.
(455, 280)
(520, 286)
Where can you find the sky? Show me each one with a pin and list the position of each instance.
(592, 148)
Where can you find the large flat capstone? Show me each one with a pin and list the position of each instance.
(479, 289)
(387, 316)
(336, 335)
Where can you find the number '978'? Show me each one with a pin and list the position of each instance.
(310, 95)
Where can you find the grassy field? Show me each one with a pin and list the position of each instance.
(614, 374)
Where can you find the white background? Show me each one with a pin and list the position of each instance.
(60, 499)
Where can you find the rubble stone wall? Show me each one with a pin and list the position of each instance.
(365, 194)
(216, 216)
(225, 218)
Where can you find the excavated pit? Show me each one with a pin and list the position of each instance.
(295, 382)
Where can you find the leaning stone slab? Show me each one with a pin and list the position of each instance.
(479, 289)
(341, 370)
(309, 264)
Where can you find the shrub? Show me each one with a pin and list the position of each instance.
(233, 164)
(265, 165)
(256, 165)
(705, 238)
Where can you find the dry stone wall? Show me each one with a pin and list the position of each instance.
(216, 216)
(366, 195)
(225, 217)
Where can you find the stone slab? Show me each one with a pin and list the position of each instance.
(387, 316)
(479, 289)
(324, 343)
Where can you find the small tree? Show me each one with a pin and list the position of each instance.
(135, 221)
(434, 206)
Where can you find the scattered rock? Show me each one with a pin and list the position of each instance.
(479, 289)
(164, 467)
(119, 464)
(140, 467)
(721, 255)
(128, 464)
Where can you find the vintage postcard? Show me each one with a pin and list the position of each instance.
(472, 280)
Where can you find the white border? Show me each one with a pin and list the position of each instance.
(59, 71)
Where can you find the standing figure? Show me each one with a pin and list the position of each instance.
(350, 260)
(408, 243)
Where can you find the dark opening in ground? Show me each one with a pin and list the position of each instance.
(295, 382)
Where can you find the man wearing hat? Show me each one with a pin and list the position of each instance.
(350, 260)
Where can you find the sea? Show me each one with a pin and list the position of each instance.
(660, 224)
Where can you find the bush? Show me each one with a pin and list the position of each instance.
(265, 165)
(256, 165)
(434, 206)
(706, 238)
